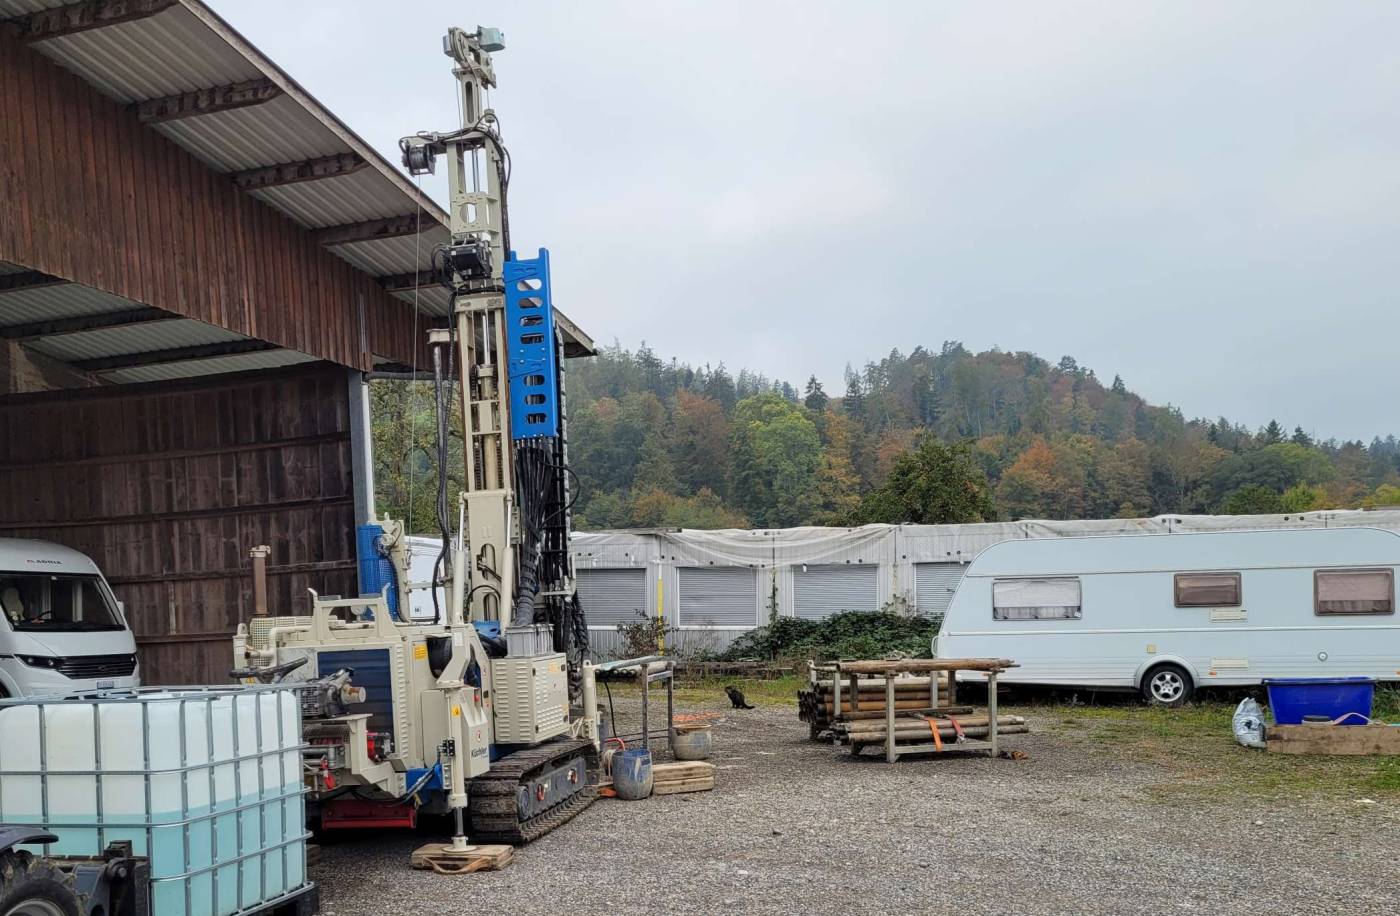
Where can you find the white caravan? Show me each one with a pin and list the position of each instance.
(61, 629)
(1168, 613)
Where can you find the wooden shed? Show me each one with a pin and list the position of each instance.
(198, 266)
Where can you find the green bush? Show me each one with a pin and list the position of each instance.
(854, 634)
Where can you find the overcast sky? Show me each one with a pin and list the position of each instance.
(1204, 198)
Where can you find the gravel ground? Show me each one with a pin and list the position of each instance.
(798, 827)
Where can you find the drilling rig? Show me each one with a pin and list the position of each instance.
(486, 712)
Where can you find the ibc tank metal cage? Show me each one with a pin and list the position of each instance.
(206, 782)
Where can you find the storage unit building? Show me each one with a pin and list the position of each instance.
(713, 586)
(820, 590)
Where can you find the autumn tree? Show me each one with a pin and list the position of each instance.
(1126, 475)
(836, 489)
(1252, 499)
(648, 433)
(404, 446)
(932, 484)
(701, 443)
(776, 453)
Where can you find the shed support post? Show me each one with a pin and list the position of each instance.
(361, 448)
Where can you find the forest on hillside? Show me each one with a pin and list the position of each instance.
(928, 436)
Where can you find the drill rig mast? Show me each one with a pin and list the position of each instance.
(471, 713)
(472, 266)
(503, 341)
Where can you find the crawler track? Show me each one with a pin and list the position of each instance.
(494, 810)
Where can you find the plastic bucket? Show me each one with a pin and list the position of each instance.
(692, 742)
(1292, 698)
(631, 774)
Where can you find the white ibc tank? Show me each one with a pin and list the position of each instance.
(204, 781)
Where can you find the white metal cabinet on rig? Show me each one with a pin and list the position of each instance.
(473, 712)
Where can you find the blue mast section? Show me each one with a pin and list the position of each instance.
(531, 353)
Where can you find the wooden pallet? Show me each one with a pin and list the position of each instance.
(1345, 740)
(682, 776)
(443, 859)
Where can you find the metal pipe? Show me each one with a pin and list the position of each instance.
(259, 555)
(590, 704)
(457, 615)
(273, 635)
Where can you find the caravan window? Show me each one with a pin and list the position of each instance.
(1354, 591)
(1036, 599)
(1207, 589)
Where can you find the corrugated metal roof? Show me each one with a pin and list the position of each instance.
(145, 337)
(392, 256)
(351, 198)
(62, 300)
(242, 362)
(188, 47)
(432, 300)
(266, 134)
(11, 8)
(164, 54)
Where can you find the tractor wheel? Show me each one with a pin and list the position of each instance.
(34, 887)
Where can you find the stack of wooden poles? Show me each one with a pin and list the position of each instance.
(816, 703)
(846, 702)
(872, 731)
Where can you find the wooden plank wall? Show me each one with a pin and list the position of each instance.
(92, 196)
(167, 487)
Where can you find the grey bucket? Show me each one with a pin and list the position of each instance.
(692, 743)
(631, 774)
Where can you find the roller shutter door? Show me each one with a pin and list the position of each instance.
(820, 591)
(934, 584)
(612, 596)
(718, 595)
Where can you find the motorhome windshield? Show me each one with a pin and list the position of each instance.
(56, 603)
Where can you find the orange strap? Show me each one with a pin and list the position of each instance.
(933, 730)
(957, 729)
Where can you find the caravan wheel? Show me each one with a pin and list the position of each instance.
(1167, 685)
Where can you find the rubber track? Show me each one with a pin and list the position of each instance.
(493, 810)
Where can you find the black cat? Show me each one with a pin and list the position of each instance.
(736, 696)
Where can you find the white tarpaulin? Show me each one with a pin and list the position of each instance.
(777, 558)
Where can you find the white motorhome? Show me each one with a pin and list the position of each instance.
(61, 628)
(1167, 613)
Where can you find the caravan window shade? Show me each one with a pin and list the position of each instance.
(1036, 599)
(1207, 589)
(1354, 591)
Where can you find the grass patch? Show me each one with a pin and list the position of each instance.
(780, 691)
(1195, 747)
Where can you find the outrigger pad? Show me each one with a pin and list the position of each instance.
(443, 859)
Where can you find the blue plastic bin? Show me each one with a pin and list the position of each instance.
(1292, 698)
